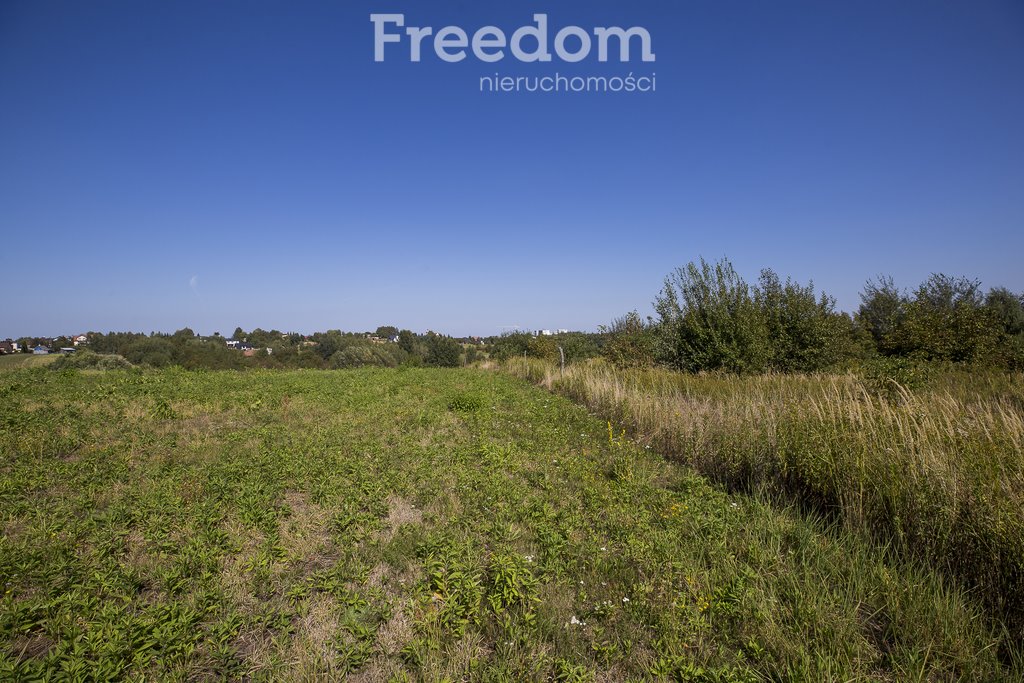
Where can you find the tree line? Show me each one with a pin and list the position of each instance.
(333, 349)
(709, 319)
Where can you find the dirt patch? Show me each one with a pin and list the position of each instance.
(313, 644)
(30, 647)
(255, 648)
(400, 513)
(395, 633)
(234, 578)
(305, 533)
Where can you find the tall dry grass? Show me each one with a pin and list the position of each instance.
(935, 474)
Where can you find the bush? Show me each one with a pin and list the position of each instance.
(709, 320)
(88, 360)
(630, 342)
(891, 378)
(442, 352)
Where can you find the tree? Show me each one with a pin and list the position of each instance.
(157, 352)
(239, 334)
(804, 332)
(708, 320)
(882, 310)
(442, 352)
(947, 320)
(1008, 309)
(510, 345)
(386, 331)
(407, 341)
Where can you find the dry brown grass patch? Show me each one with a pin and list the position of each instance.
(30, 646)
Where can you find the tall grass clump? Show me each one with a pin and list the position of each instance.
(935, 474)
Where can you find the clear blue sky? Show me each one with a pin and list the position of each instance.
(214, 164)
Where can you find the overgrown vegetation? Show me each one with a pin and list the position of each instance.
(710, 319)
(926, 464)
(417, 524)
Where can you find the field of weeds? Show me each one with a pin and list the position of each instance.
(463, 525)
(935, 473)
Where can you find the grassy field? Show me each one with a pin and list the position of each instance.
(936, 473)
(421, 525)
(18, 361)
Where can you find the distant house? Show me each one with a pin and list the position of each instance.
(80, 340)
(67, 350)
(233, 344)
(40, 350)
(8, 346)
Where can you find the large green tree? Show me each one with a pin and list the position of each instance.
(709, 320)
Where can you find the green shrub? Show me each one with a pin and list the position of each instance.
(88, 360)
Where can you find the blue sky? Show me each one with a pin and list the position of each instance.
(215, 164)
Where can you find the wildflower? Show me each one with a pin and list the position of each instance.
(625, 599)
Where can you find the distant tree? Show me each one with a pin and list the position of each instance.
(263, 338)
(511, 344)
(1007, 308)
(386, 331)
(882, 310)
(442, 352)
(407, 341)
(631, 341)
(157, 352)
(184, 334)
(207, 355)
(576, 346)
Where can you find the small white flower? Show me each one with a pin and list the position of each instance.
(625, 599)
(603, 548)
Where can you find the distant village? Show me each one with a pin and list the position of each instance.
(71, 343)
